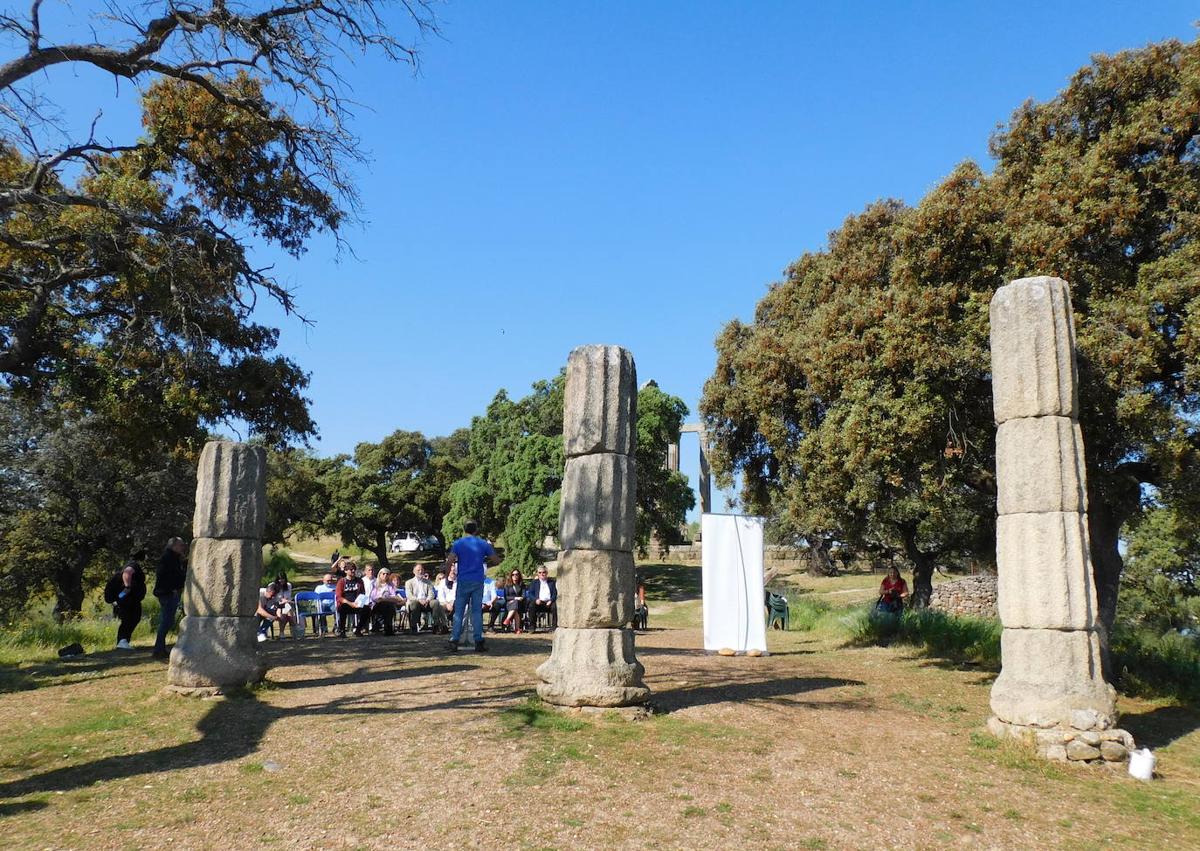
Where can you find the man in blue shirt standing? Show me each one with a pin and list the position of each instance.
(470, 553)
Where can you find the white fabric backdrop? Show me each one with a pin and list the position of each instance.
(731, 550)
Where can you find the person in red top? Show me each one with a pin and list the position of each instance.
(893, 591)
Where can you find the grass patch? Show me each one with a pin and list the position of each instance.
(935, 633)
(533, 714)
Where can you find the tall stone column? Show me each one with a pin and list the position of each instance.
(1051, 687)
(592, 662)
(217, 646)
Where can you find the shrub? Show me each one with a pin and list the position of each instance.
(280, 561)
(1151, 664)
(935, 633)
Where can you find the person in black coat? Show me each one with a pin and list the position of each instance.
(125, 591)
(168, 588)
(542, 596)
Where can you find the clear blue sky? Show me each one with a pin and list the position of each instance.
(638, 173)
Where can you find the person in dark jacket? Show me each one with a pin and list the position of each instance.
(542, 596)
(168, 588)
(125, 591)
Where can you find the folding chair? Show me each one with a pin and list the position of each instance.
(308, 605)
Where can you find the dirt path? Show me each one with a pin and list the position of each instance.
(392, 742)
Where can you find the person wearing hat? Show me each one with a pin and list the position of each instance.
(384, 601)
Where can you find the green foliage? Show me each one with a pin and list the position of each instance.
(1162, 562)
(1150, 664)
(280, 561)
(935, 633)
(856, 406)
(398, 484)
(517, 461)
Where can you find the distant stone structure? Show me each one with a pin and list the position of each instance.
(1051, 686)
(704, 486)
(217, 646)
(592, 662)
(970, 596)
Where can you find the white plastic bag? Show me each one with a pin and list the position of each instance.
(1141, 764)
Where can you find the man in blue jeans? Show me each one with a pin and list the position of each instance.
(168, 588)
(471, 553)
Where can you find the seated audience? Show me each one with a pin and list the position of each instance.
(325, 608)
(421, 600)
(542, 596)
(493, 601)
(349, 601)
(270, 610)
(641, 613)
(514, 595)
(444, 586)
(385, 599)
(368, 586)
(893, 591)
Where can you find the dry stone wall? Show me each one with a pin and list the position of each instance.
(971, 596)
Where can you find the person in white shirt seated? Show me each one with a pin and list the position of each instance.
(542, 595)
(444, 586)
(493, 605)
(385, 600)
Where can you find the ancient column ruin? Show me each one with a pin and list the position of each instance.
(217, 646)
(1051, 687)
(592, 662)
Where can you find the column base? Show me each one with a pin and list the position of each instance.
(592, 667)
(1047, 676)
(215, 653)
(1069, 744)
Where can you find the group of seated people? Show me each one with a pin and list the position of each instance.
(377, 602)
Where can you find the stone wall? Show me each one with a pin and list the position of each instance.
(971, 596)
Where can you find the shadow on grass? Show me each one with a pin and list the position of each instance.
(1159, 727)
(673, 583)
(94, 666)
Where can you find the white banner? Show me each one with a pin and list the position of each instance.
(731, 550)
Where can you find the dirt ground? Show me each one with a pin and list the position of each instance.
(381, 742)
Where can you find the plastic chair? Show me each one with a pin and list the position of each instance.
(778, 613)
(308, 605)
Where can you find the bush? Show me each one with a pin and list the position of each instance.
(280, 561)
(936, 633)
(1149, 664)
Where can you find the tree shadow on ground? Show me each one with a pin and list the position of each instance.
(234, 728)
(777, 690)
(1159, 727)
(93, 666)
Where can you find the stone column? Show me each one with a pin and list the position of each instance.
(1051, 687)
(592, 662)
(217, 646)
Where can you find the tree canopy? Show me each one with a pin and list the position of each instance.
(857, 405)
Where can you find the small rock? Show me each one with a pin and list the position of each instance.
(1113, 751)
(1057, 753)
(1077, 750)
(1090, 737)
(1085, 719)
(754, 652)
(726, 651)
(272, 766)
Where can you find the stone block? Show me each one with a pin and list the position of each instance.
(1033, 350)
(597, 507)
(215, 652)
(592, 667)
(1055, 753)
(600, 402)
(1044, 569)
(223, 577)
(1081, 751)
(231, 491)
(1039, 466)
(1113, 752)
(1047, 674)
(595, 589)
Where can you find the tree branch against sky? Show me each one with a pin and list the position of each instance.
(132, 259)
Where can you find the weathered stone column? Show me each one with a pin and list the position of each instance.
(1051, 687)
(217, 646)
(592, 662)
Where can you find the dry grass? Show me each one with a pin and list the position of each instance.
(385, 742)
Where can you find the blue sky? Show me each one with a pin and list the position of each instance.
(638, 173)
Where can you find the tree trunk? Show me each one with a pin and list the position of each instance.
(820, 562)
(68, 586)
(923, 564)
(1104, 530)
(381, 549)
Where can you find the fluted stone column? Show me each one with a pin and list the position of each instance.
(1051, 687)
(217, 646)
(592, 662)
